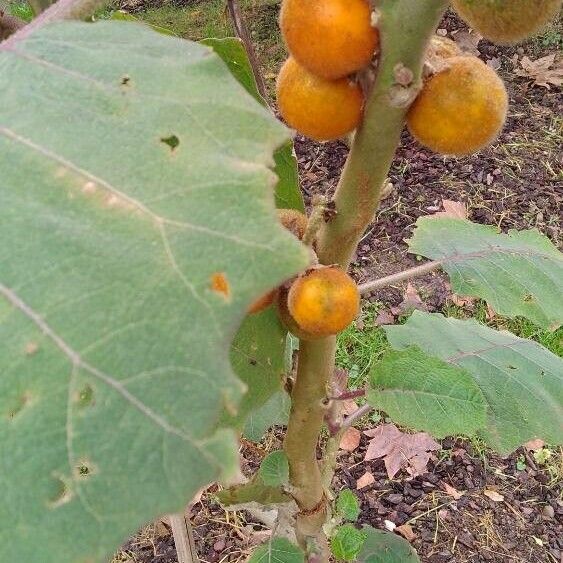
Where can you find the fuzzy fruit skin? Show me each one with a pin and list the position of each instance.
(443, 48)
(330, 38)
(321, 109)
(323, 301)
(294, 221)
(507, 21)
(461, 109)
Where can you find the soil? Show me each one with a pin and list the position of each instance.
(516, 183)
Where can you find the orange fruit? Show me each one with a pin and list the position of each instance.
(330, 38)
(262, 302)
(318, 108)
(323, 301)
(461, 109)
(507, 21)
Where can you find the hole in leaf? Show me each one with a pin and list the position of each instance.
(172, 141)
(61, 493)
(252, 362)
(84, 469)
(125, 80)
(528, 297)
(512, 367)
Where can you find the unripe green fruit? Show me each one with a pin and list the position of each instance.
(507, 21)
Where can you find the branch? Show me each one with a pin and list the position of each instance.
(405, 28)
(182, 532)
(242, 32)
(62, 10)
(355, 416)
(415, 272)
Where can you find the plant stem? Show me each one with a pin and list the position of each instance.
(400, 276)
(242, 32)
(62, 10)
(316, 364)
(405, 27)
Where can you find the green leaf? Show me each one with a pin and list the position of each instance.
(521, 381)
(347, 542)
(127, 267)
(275, 411)
(258, 358)
(426, 393)
(278, 550)
(274, 469)
(232, 51)
(254, 491)
(348, 505)
(518, 274)
(385, 547)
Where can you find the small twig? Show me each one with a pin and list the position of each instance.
(355, 416)
(62, 10)
(349, 395)
(242, 33)
(9, 24)
(316, 219)
(183, 538)
(415, 272)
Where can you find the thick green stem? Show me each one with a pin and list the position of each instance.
(405, 28)
(316, 364)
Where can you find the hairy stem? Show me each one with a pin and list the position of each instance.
(62, 10)
(316, 364)
(405, 28)
(400, 276)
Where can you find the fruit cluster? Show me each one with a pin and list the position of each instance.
(462, 105)
(320, 302)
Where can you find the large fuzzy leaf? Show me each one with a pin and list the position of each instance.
(138, 223)
(521, 381)
(518, 274)
(426, 393)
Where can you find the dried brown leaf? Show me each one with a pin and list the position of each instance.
(452, 491)
(493, 495)
(399, 449)
(534, 445)
(365, 480)
(411, 301)
(384, 317)
(545, 72)
(350, 439)
(468, 41)
(454, 209)
(406, 531)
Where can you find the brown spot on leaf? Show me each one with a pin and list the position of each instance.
(31, 348)
(61, 493)
(220, 284)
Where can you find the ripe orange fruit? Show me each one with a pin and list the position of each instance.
(507, 21)
(262, 302)
(460, 109)
(318, 108)
(330, 38)
(322, 301)
(294, 221)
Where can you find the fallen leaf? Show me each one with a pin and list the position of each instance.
(494, 63)
(389, 525)
(545, 72)
(411, 300)
(493, 495)
(462, 301)
(384, 317)
(365, 480)
(406, 531)
(350, 439)
(452, 491)
(454, 209)
(399, 449)
(468, 41)
(534, 445)
(490, 313)
(349, 406)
